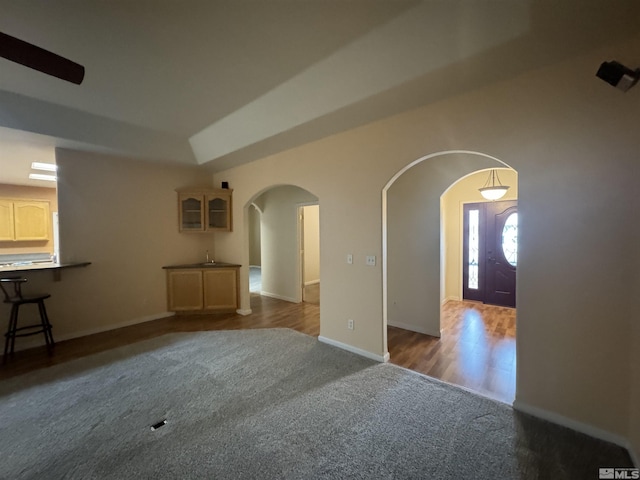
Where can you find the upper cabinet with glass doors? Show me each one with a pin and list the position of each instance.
(204, 210)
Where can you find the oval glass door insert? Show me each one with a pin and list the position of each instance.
(510, 239)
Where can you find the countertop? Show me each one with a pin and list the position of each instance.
(204, 265)
(27, 267)
(54, 267)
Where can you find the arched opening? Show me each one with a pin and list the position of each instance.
(464, 235)
(417, 256)
(283, 244)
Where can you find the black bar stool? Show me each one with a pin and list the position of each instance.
(15, 297)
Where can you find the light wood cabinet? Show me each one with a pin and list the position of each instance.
(220, 289)
(202, 210)
(24, 220)
(190, 212)
(218, 214)
(205, 290)
(7, 228)
(31, 220)
(184, 290)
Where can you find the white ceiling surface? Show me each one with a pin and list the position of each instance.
(225, 82)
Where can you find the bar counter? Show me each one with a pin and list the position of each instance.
(57, 268)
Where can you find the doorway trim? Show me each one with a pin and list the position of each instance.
(301, 263)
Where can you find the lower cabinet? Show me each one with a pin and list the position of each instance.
(205, 290)
(220, 287)
(184, 290)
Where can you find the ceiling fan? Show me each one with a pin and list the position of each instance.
(40, 59)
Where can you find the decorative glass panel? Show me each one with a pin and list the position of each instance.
(510, 239)
(217, 213)
(191, 214)
(474, 247)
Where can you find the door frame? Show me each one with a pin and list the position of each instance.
(300, 228)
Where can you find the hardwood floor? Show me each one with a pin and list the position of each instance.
(311, 293)
(267, 313)
(477, 348)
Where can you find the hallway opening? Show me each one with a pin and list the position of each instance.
(428, 322)
(284, 244)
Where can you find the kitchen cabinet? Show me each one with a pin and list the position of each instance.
(202, 289)
(220, 286)
(7, 228)
(24, 220)
(205, 210)
(184, 290)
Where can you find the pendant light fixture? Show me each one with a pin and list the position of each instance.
(492, 190)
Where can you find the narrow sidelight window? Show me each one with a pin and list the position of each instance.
(474, 248)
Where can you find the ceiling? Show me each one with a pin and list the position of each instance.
(221, 83)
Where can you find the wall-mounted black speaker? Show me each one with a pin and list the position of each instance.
(618, 75)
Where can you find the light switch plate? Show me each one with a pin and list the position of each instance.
(371, 260)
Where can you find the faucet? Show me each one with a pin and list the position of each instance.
(209, 261)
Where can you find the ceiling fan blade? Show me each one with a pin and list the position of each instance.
(40, 59)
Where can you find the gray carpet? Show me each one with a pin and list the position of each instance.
(270, 404)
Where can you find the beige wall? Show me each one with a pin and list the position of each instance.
(121, 215)
(567, 135)
(464, 191)
(30, 193)
(280, 241)
(311, 244)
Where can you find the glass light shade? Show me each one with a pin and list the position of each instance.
(494, 193)
(493, 188)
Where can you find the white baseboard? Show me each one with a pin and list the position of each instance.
(577, 426)
(412, 328)
(311, 282)
(451, 298)
(350, 348)
(279, 297)
(244, 311)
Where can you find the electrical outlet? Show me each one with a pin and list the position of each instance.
(371, 260)
(350, 258)
(350, 324)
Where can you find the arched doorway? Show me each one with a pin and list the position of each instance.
(415, 248)
(285, 246)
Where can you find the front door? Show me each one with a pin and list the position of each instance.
(490, 252)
